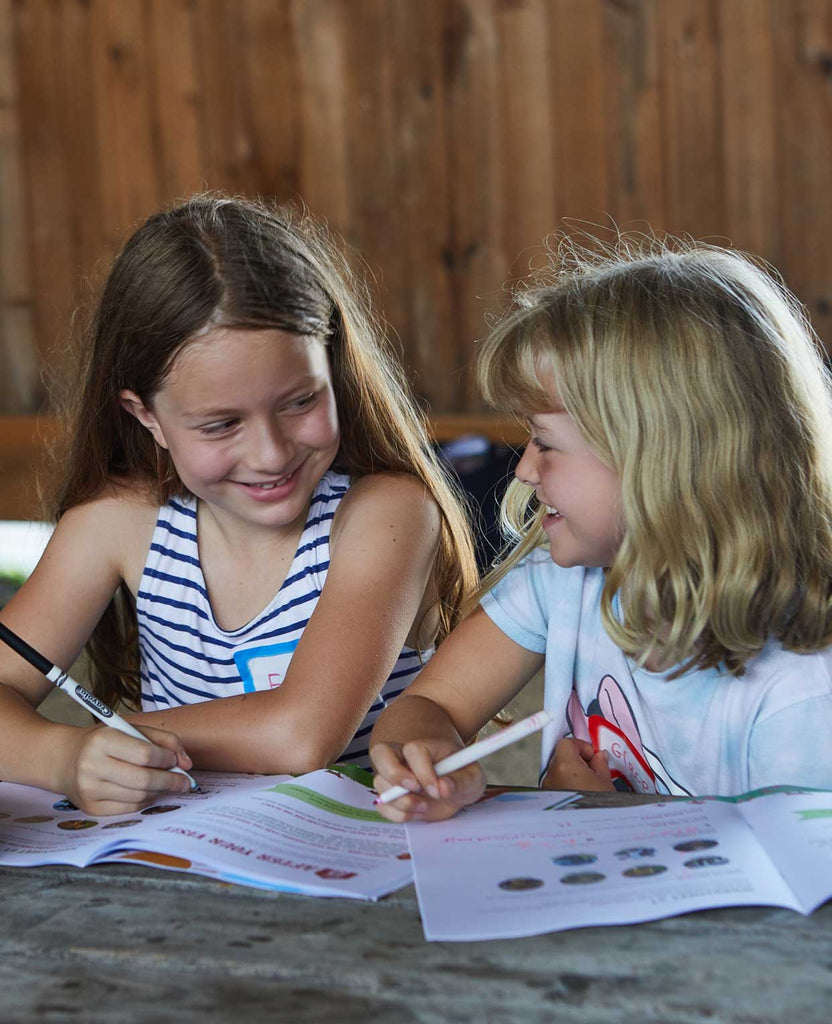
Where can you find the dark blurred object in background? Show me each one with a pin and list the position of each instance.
(484, 471)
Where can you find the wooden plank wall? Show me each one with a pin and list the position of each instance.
(444, 138)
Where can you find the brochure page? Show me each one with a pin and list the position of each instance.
(510, 867)
(317, 834)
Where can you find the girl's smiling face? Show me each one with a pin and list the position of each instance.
(583, 495)
(249, 419)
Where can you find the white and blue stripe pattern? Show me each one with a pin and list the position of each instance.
(187, 658)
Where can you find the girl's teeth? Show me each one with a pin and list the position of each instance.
(552, 511)
(274, 483)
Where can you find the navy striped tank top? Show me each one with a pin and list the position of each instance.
(187, 658)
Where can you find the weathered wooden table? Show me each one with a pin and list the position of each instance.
(121, 943)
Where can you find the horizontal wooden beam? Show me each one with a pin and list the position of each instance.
(497, 429)
(24, 460)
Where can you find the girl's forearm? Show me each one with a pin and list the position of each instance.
(250, 732)
(33, 750)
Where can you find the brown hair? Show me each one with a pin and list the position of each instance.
(222, 261)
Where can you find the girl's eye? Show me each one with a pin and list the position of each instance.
(541, 447)
(213, 429)
(299, 404)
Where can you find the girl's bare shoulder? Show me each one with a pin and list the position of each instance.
(400, 498)
(389, 489)
(120, 503)
(119, 522)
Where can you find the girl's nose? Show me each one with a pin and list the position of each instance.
(270, 450)
(526, 468)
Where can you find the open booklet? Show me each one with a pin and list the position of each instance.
(316, 834)
(523, 863)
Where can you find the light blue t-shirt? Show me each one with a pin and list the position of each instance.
(704, 733)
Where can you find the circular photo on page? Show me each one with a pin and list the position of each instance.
(635, 853)
(583, 878)
(689, 845)
(76, 824)
(573, 860)
(161, 808)
(644, 870)
(521, 884)
(123, 824)
(706, 862)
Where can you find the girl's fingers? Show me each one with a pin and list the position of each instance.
(410, 766)
(433, 798)
(406, 808)
(582, 748)
(599, 763)
(390, 769)
(103, 743)
(420, 760)
(148, 781)
(168, 741)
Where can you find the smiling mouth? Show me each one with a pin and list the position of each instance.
(552, 511)
(271, 484)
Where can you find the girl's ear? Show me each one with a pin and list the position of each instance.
(131, 403)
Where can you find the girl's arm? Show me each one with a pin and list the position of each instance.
(472, 676)
(379, 582)
(99, 769)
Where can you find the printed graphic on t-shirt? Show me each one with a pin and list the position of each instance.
(264, 667)
(609, 724)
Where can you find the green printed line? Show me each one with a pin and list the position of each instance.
(324, 803)
(818, 812)
(354, 772)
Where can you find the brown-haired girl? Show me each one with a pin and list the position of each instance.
(251, 510)
(672, 515)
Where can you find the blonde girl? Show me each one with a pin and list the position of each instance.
(672, 514)
(250, 510)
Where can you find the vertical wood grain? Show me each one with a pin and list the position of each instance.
(582, 184)
(225, 117)
(422, 194)
(803, 69)
(19, 365)
(46, 173)
(746, 57)
(324, 117)
(527, 144)
(692, 136)
(444, 138)
(375, 218)
(268, 72)
(126, 135)
(632, 93)
(177, 102)
(477, 261)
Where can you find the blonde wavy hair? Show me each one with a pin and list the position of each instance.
(693, 373)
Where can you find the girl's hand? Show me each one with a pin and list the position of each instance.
(411, 765)
(575, 764)
(108, 772)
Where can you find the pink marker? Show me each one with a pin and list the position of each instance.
(468, 755)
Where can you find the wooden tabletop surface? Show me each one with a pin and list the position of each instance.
(118, 943)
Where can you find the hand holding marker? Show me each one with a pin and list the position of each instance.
(77, 692)
(468, 755)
